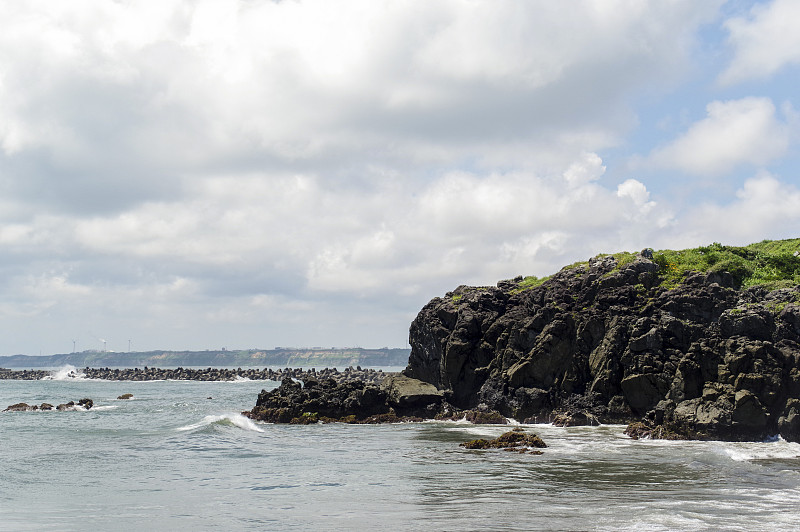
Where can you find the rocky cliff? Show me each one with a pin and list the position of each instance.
(709, 348)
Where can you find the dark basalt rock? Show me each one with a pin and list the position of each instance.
(315, 400)
(20, 407)
(514, 440)
(660, 432)
(605, 342)
(479, 417)
(398, 399)
(86, 403)
(575, 419)
(24, 407)
(410, 394)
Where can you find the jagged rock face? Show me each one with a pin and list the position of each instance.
(326, 398)
(609, 340)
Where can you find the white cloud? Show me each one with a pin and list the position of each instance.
(287, 172)
(198, 83)
(735, 132)
(764, 207)
(764, 42)
(636, 191)
(589, 169)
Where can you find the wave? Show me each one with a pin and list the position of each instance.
(68, 372)
(104, 407)
(768, 450)
(224, 420)
(79, 408)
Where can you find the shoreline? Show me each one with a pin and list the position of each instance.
(210, 374)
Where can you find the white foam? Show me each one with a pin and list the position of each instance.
(239, 378)
(481, 430)
(105, 407)
(68, 372)
(775, 449)
(77, 408)
(236, 420)
(462, 421)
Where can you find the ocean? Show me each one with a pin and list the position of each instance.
(180, 456)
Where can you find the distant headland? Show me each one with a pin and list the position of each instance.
(279, 356)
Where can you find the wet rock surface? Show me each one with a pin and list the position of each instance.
(514, 440)
(326, 400)
(82, 404)
(606, 342)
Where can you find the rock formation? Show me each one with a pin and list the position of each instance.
(515, 440)
(609, 341)
(83, 404)
(312, 401)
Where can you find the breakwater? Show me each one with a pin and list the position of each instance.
(349, 374)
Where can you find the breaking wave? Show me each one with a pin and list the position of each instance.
(224, 420)
(68, 372)
(775, 449)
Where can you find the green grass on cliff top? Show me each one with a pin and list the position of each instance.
(772, 263)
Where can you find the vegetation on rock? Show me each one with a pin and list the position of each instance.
(701, 343)
(514, 440)
(707, 339)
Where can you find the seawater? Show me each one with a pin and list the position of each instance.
(180, 456)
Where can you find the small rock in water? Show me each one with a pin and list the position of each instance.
(19, 407)
(514, 440)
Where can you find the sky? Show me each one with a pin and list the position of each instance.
(250, 174)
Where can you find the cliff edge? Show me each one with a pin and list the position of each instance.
(704, 342)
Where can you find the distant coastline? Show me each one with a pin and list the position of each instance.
(289, 357)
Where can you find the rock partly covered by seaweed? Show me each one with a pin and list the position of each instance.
(702, 343)
(514, 440)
